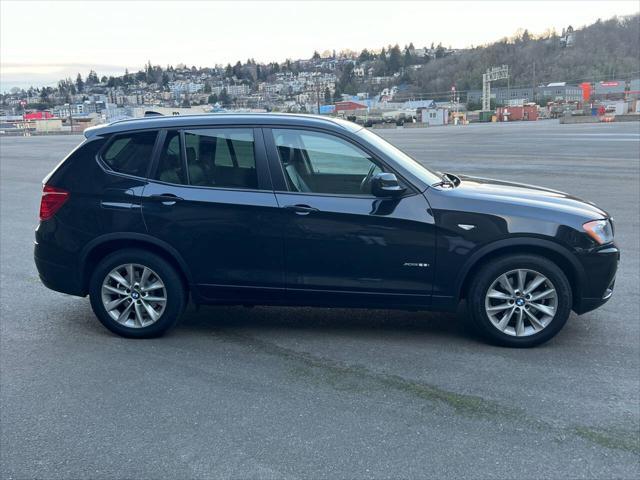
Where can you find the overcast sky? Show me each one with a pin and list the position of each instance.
(41, 42)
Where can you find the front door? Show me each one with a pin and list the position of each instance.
(340, 241)
(211, 199)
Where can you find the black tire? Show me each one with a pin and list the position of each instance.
(491, 271)
(176, 296)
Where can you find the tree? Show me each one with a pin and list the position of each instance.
(365, 56)
(237, 69)
(337, 94)
(347, 79)
(408, 58)
(79, 84)
(44, 95)
(316, 55)
(327, 95)
(213, 98)
(149, 77)
(395, 59)
(92, 79)
(224, 97)
(207, 88)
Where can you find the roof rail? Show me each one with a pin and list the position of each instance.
(151, 113)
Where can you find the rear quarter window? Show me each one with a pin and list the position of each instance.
(130, 153)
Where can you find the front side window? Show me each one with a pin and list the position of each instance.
(316, 162)
(221, 158)
(130, 153)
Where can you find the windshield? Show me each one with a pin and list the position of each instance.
(423, 173)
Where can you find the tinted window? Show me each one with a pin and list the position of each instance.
(170, 165)
(321, 163)
(221, 158)
(130, 153)
(399, 157)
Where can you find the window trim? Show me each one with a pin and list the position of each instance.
(276, 163)
(102, 163)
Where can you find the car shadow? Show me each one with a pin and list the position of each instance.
(197, 321)
(337, 320)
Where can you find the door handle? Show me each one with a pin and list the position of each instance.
(301, 209)
(167, 199)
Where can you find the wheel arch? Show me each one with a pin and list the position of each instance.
(559, 254)
(104, 245)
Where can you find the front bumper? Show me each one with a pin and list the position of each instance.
(600, 267)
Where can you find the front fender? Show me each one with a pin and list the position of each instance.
(519, 245)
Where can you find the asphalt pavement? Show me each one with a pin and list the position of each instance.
(321, 393)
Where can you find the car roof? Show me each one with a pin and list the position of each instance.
(222, 120)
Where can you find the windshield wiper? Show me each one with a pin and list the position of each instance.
(448, 179)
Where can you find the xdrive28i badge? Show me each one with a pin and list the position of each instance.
(416, 264)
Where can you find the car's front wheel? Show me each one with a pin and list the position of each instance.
(520, 300)
(136, 294)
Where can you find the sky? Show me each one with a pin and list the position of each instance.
(41, 42)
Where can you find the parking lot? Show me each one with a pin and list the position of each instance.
(321, 393)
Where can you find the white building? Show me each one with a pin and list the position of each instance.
(434, 116)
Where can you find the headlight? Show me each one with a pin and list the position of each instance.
(599, 230)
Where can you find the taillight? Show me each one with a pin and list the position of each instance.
(52, 199)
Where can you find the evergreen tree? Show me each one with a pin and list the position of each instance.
(224, 97)
(92, 78)
(79, 84)
(395, 59)
(337, 94)
(408, 59)
(364, 56)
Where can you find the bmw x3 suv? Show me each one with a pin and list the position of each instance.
(269, 209)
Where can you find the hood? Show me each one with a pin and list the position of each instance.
(499, 191)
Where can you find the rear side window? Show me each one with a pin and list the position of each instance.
(221, 158)
(130, 153)
(170, 165)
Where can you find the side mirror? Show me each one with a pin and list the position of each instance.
(386, 185)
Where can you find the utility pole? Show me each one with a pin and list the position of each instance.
(318, 95)
(70, 118)
(534, 83)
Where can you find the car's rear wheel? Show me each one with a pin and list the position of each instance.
(136, 294)
(520, 300)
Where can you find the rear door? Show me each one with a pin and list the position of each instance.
(340, 241)
(210, 198)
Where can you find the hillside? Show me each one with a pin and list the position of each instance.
(603, 50)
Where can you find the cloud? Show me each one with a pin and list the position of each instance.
(24, 75)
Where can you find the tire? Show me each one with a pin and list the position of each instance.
(139, 322)
(510, 332)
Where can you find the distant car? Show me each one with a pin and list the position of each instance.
(273, 209)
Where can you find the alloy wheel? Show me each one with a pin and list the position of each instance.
(134, 295)
(521, 302)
